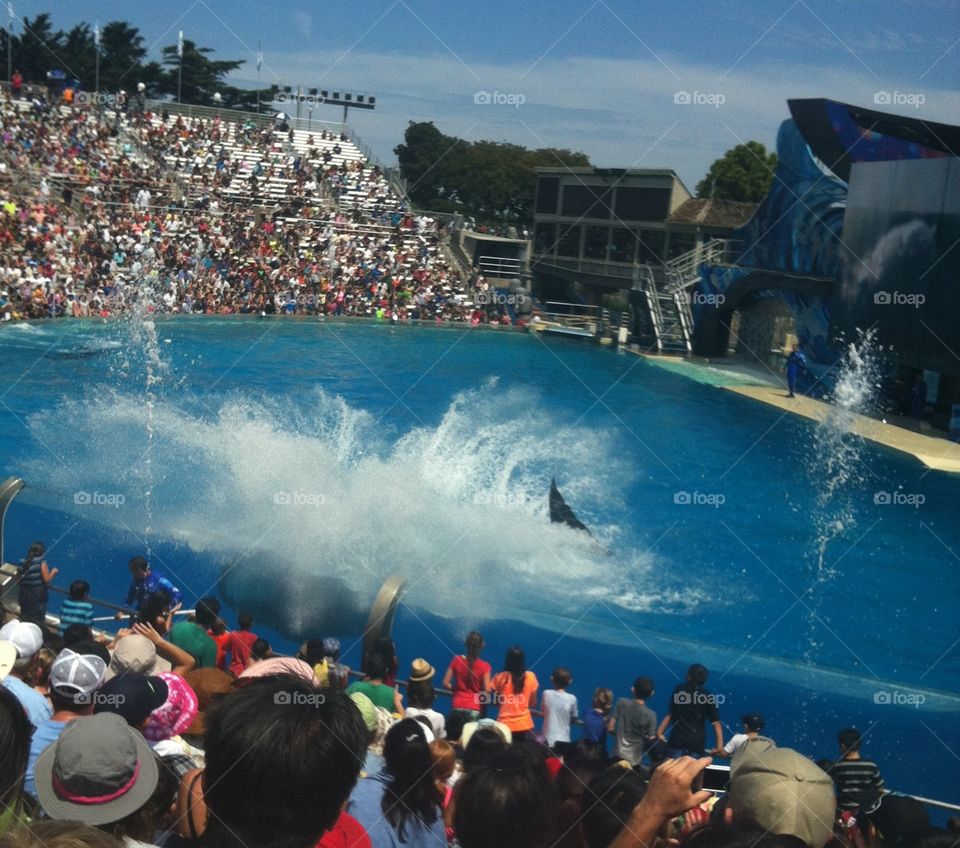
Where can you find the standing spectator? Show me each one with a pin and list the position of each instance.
(35, 574)
(635, 723)
(691, 708)
(515, 690)
(240, 643)
(753, 723)
(76, 609)
(193, 637)
(852, 774)
(468, 676)
(16, 84)
(421, 695)
(559, 709)
(594, 731)
(27, 639)
(148, 582)
(399, 805)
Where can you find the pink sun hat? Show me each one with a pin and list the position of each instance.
(175, 715)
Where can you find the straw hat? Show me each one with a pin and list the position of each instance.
(421, 671)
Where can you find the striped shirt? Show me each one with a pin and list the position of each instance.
(852, 778)
(75, 612)
(30, 574)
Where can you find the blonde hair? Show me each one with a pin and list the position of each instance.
(444, 759)
(57, 834)
(603, 699)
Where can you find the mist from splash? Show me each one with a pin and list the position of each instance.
(313, 484)
(837, 449)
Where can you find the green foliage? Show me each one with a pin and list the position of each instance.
(38, 48)
(742, 173)
(491, 181)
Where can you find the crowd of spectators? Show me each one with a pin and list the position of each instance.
(191, 734)
(101, 212)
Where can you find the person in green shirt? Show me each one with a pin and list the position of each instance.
(375, 689)
(192, 636)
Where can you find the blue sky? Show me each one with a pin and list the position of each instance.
(601, 76)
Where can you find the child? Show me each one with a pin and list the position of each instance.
(421, 696)
(34, 576)
(852, 774)
(76, 608)
(218, 632)
(753, 723)
(240, 642)
(595, 721)
(559, 709)
(635, 723)
(260, 650)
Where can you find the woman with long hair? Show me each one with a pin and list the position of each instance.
(399, 805)
(515, 691)
(469, 677)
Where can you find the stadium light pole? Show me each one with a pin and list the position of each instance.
(179, 64)
(10, 19)
(96, 53)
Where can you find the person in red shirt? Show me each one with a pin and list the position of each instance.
(469, 676)
(16, 84)
(240, 642)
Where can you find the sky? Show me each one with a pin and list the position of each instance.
(631, 83)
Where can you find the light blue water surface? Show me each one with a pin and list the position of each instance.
(360, 450)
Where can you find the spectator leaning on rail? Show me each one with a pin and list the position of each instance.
(691, 708)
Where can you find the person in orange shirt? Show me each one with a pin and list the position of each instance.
(515, 691)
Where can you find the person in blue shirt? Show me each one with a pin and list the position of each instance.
(147, 582)
(796, 362)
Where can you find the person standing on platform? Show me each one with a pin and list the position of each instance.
(796, 362)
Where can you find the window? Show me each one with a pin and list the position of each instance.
(548, 190)
(642, 204)
(595, 243)
(570, 242)
(544, 238)
(651, 246)
(586, 201)
(623, 245)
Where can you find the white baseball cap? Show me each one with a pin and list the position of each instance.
(26, 636)
(8, 656)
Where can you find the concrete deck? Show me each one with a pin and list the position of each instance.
(931, 447)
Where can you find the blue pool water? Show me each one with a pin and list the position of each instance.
(287, 449)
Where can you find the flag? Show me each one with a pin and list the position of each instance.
(180, 44)
(259, 56)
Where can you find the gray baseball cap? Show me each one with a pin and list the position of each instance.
(77, 676)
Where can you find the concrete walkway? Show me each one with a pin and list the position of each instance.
(932, 447)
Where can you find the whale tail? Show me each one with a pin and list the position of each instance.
(560, 512)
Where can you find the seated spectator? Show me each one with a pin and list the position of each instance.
(399, 805)
(240, 643)
(781, 792)
(569, 787)
(608, 803)
(338, 674)
(57, 834)
(279, 769)
(209, 685)
(15, 732)
(101, 772)
(259, 651)
(192, 636)
(144, 651)
(76, 609)
(894, 821)
(852, 774)
(507, 801)
(74, 679)
(384, 648)
(27, 639)
(421, 696)
(375, 687)
(368, 712)
(481, 740)
(77, 633)
(164, 725)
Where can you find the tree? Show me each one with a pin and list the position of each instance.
(203, 77)
(491, 181)
(742, 173)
